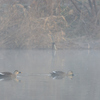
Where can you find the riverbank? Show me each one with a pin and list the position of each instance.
(27, 28)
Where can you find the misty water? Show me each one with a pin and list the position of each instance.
(35, 82)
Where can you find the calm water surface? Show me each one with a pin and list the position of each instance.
(34, 82)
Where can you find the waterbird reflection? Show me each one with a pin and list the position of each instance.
(6, 76)
(54, 46)
(61, 74)
(54, 49)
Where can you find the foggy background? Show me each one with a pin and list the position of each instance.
(36, 24)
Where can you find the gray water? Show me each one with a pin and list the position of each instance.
(35, 84)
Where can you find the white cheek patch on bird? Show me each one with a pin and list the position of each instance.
(54, 71)
(1, 74)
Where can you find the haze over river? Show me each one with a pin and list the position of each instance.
(35, 82)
